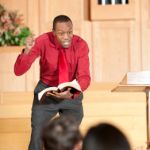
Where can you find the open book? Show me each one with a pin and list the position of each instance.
(61, 87)
(139, 77)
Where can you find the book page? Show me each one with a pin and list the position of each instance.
(74, 84)
(40, 94)
(142, 77)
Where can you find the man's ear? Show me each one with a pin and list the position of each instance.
(54, 32)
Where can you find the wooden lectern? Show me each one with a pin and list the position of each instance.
(124, 86)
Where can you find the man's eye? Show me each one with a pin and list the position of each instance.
(61, 34)
(70, 32)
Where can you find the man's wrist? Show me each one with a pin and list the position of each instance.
(25, 50)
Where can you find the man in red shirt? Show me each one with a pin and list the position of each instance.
(48, 46)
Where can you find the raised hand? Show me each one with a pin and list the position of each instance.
(29, 43)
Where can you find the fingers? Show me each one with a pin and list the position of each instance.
(69, 89)
(66, 94)
(30, 40)
(50, 94)
(54, 94)
(60, 95)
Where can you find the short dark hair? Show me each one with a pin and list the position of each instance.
(60, 18)
(105, 136)
(62, 133)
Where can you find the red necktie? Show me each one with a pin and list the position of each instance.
(63, 67)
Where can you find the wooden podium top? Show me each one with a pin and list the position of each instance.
(131, 88)
(134, 82)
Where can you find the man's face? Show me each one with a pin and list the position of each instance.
(64, 32)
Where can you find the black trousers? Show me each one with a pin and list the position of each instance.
(43, 112)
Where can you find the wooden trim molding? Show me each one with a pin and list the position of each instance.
(11, 49)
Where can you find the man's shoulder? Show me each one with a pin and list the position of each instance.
(44, 36)
(78, 40)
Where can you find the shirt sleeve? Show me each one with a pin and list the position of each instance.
(24, 61)
(83, 72)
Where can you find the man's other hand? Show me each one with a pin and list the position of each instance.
(61, 95)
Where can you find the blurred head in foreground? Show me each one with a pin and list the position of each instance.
(62, 133)
(105, 136)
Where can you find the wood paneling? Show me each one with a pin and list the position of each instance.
(86, 34)
(33, 19)
(145, 34)
(7, 60)
(49, 9)
(110, 50)
(125, 110)
(116, 46)
(14, 141)
(9, 81)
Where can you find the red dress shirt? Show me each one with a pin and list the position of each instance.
(47, 48)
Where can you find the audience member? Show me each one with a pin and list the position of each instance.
(105, 136)
(62, 133)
